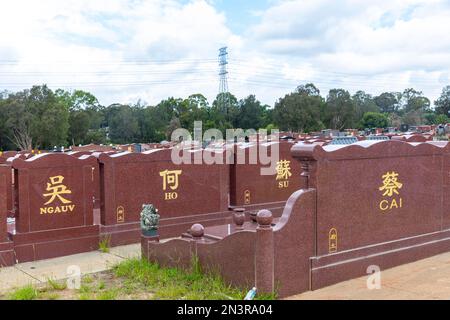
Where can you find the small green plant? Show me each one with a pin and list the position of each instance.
(101, 285)
(49, 296)
(108, 295)
(57, 285)
(26, 293)
(87, 279)
(105, 244)
(84, 296)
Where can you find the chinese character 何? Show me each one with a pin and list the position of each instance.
(170, 178)
(56, 189)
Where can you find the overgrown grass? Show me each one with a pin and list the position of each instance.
(110, 294)
(104, 244)
(57, 285)
(139, 279)
(25, 293)
(173, 283)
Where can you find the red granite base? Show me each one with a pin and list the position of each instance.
(334, 268)
(55, 243)
(275, 207)
(128, 233)
(144, 244)
(6, 254)
(121, 234)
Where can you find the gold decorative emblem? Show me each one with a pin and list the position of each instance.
(120, 214)
(247, 197)
(332, 240)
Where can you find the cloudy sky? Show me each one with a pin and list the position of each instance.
(126, 50)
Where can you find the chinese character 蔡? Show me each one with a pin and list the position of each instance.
(170, 178)
(56, 189)
(390, 184)
(283, 170)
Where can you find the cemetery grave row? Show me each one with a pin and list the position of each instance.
(64, 203)
(371, 204)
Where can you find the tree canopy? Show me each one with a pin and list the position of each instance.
(42, 118)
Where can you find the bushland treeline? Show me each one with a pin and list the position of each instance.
(40, 118)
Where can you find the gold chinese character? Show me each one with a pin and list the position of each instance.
(390, 184)
(283, 170)
(170, 178)
(56, 189)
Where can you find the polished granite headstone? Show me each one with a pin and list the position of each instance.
(54, 206)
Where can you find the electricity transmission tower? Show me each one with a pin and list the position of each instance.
(224, 99)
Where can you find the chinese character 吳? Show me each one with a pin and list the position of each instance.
(56, 189)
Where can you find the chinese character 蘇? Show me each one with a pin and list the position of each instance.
(283, 170)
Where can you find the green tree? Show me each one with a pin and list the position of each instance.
(224, 112)
(251, 113)
(36, 118)
(85, 114)
(374, 120)
(364, 103)
(299, 110)
(341, 110)
(388, 102)
(442, 119)
(123, 124)
(443, 102)
(413, 100)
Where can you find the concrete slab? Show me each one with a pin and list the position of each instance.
(424, 279)
(128, 251)
(57, 268)
(10, 277)
(37, 272)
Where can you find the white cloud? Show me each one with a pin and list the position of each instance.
(369, 45)
(374, 45)
(92, 45)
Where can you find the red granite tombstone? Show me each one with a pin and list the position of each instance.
(413, 138)
(6, 246)
(54, 207)
(93, 148)
(374, 197)
(9, 189)
(5, 155)
(252, 190)
(183, 193)
(372, 203)
(95, 175)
